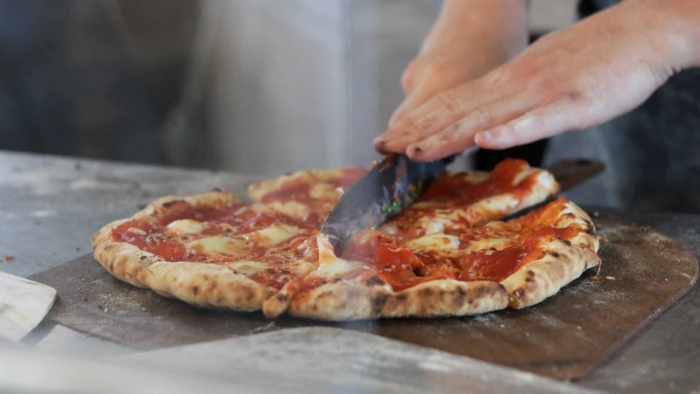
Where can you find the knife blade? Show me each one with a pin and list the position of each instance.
(573, 172)
(389, 186)
(396, 182)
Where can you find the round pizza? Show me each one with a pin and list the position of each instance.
(446, 255)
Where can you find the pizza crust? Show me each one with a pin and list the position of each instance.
(563, 261)
(543, 278)
(343, 299)
(446, 297)
(354, 299)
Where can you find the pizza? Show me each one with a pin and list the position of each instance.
(449, 254)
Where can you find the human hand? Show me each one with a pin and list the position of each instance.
(468, 39)
(569, 80)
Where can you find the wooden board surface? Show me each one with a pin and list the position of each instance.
(564, 337)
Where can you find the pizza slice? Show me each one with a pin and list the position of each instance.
(306, 195)
(455, 202)
(208, 250)
(515, 263)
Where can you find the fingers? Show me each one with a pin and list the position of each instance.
(543, 122)
(425, 77)
(460, 135)
(412, 101)
(408, 130)
(436, 115)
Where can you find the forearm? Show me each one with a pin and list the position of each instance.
(571, 79)
(468, 39)
(500, 24)
(671, 29)
(682, 26)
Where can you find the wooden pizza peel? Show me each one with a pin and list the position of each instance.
(643, 273)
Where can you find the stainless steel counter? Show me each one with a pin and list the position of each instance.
(50, 206)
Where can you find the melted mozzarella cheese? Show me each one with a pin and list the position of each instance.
(387, 229)
(136, 230)
(546, 180)
(217, 245)
(475, 177)
(185, 226)
(248, 267)
(291, 208)
(434, 242)
(489, 243)
(522, 175)
(272, 235)
(329, 263)
(336, 267)
(545, 186)
(322, 191)
(500, 203)
(213, 199)
(436, 225)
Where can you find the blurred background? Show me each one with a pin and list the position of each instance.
(254, 86)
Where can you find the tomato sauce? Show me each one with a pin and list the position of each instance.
(179, 210)
(453, 194)
(403, 268)
(234, 221)
(299, 190)
(147, 239)
(456, 191)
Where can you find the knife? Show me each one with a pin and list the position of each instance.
(388, 187)
(396, 182)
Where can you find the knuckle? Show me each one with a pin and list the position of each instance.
(435, 73)
(509, 129)
(483, 116)
(572, 96)
(543, 83)
(526, 123)
(520, 73)
(499, 76)
(426, 71)
(409, 119)
(426, 123)
(449, 102)
(408, 76)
